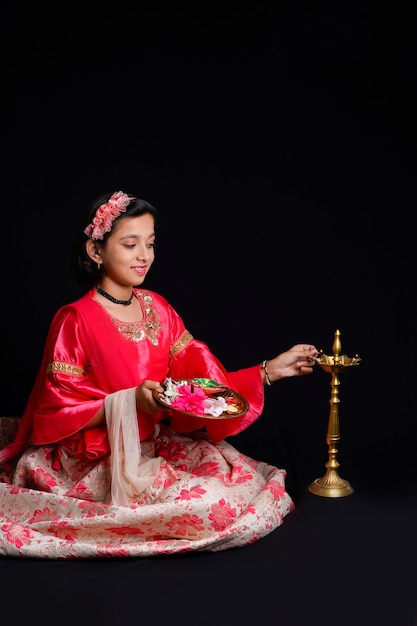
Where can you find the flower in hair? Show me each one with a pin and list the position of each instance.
(106, 214)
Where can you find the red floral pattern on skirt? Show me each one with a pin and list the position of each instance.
(206, 497)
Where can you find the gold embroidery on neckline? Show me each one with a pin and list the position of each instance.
(147, 328)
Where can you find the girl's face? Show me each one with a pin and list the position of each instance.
(129, 251)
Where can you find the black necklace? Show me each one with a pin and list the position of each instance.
(115, 300)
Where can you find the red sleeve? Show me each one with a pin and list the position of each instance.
(195, 360)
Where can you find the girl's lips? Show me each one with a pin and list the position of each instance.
(139, 270)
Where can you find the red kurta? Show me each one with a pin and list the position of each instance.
(133, 486)
(90, 354)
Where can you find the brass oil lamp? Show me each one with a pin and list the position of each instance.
(331, 485)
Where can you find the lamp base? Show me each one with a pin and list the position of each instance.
(331, 486)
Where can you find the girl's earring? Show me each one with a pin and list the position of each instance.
(98, 266)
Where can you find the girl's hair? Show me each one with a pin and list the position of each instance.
(83, 270)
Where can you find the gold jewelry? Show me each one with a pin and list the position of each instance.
(268, 380)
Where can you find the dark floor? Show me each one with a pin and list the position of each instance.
(344, 561)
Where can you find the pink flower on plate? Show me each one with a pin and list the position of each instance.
(189, 399)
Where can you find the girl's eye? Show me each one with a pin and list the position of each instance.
(132, 245)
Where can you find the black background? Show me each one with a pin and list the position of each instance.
(278, 142)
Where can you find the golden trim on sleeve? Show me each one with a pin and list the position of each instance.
(58, 367)
(180, 344)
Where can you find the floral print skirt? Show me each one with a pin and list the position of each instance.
(205, 497)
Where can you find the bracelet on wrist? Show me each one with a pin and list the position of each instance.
(265, 367)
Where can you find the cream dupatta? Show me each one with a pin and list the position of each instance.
(131, 473)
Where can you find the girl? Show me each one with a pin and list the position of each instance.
(103, 462)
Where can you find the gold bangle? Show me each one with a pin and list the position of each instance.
(268, 380)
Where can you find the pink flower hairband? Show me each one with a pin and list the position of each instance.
(106, 214)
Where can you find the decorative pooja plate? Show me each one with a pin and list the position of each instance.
(201, 397)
